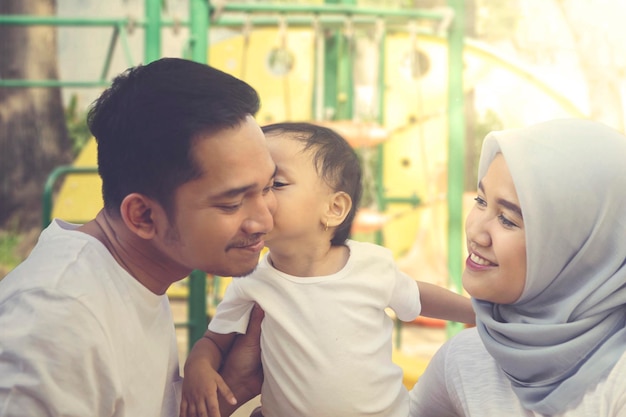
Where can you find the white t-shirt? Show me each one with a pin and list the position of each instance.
(326, 341)
(80, 337)
(462, 379)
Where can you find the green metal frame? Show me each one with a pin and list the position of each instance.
(120, 28)
(456, 151)
(48, 190)
(337, 87)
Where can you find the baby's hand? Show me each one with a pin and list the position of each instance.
(200, 387)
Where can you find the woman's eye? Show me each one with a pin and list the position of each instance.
(278, 184)
(480, 201)
(506, 222)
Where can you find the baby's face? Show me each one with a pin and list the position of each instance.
(301, 195)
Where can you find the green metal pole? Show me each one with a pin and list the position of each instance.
(199, 29)
(456, 149)
(345, 86)
(380, 155)
(48, 189)
(338, 87)
(152, 34)
(32, 20)
(197, 313)
(331, 47)
(341, 8)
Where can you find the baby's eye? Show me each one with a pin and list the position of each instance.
(278, 184)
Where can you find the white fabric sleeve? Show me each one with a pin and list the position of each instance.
(53, 365)
(233, 312)
(405, 298)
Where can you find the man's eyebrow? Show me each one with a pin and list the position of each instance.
(505, 203)
(235, 192)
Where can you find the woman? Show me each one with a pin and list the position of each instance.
(547, 274)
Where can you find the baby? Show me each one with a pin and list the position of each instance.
(326, 339)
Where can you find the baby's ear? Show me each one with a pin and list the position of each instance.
(339, 206)
(137, 211)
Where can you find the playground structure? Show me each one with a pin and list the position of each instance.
(391, 81)
(322, 37)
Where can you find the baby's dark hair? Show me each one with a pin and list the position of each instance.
(336, 163)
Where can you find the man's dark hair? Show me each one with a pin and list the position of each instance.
(147, 122)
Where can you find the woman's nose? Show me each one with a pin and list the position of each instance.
(476, 228)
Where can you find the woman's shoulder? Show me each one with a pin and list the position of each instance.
(465, 348)
(466, 340)
(465, 380)
(611, 392)
(464, 361)
(605, 399)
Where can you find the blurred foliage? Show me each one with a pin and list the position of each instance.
(368, 157)
(485, 123)
(76, 125)
(382, 4)
(8, 242)
(496, 20)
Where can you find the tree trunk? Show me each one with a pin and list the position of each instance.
(33, 133)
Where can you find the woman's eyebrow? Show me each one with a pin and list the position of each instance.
(505, 203)
(511, 206)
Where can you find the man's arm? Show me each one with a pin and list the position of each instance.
(241, 368)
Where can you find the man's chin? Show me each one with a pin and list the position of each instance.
(245, 274)
(239, 272)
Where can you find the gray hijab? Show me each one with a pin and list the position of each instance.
(568, 329)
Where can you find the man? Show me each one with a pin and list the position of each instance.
(85, 324)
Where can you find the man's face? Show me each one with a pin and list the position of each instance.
(222, 217)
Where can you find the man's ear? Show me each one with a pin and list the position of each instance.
(339, 206)
(138, 211)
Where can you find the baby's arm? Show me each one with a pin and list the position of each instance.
(438, 302)
(202, 380)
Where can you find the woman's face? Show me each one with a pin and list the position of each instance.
(495, 269)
